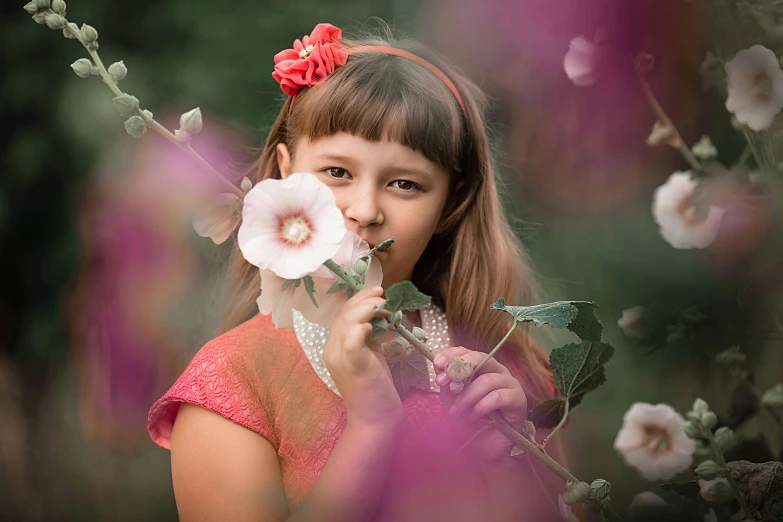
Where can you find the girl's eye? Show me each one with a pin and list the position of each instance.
(337, 172)
(407, 186)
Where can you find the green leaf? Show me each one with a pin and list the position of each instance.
(380, 247)
(405, 296)
(289, 282)
(337, 286)
(579, 368)
(547, 415)
(411, 373)
(688, 490)
(577, 316)
(310, 288)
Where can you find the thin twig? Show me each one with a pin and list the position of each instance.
(496, 348)
(559, 425)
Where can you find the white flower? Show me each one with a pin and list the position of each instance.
(582, 61)
(352, 248)
(644, 502)
(755, 85)
(631, 322)
(220, 218)
(653, 440)
(677, 218)
(565, 510)
(290, 226)
(276, 301)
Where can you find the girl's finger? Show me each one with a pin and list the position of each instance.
(478, 389)
(364, 311)
(444, 357)
(501, 399)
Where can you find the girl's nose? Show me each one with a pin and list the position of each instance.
(363, 208)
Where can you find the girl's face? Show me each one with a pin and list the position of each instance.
(383, 189)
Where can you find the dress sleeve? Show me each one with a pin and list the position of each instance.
(219, 380)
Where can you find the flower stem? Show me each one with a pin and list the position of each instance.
(559, 425)
(656, 106)
(722, 463)
(342, 274)
(160, 129)
(496, 348)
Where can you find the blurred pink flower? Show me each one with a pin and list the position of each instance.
(220, 219)
(631, 322)
(680, 224)
(653, 440)
(290, 226)
(351, 249)
(582, 61)
(755, 85)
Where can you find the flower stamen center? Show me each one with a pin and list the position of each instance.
(657, 440)
(295, 230)
(305, 53)
(762, 87)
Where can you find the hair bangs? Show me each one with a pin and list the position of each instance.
(378, 97)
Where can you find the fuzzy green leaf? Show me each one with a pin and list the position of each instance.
(405, 296)
(309, 285)
(547, 415)
(577, 316)
(411, 373)
(380, 247)
(579, 368)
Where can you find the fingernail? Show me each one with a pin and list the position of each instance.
(440, 360)
(377, 288)
(441, 378)
(453, 411)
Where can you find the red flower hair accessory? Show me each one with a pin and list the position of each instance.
(312, 59)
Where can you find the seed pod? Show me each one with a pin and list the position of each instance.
(600, 490)
(360, 267)
(182, 136)
(55, 21)
(126, 105)
(147, 113)
(40, 18)
(31, 8)
(135, 126)
(89, 33)
(82, 67)
(42, 4)
(459, 369)
(58, 6)
(396, 318)
(692, 429)
(724, 438)
(708, 470)
(700, 406)
(118, 70)
(191, 121)
(709, 420)
(419, 334)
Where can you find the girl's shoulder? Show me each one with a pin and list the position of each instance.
(226, 376)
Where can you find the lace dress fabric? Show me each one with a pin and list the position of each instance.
(262, 379)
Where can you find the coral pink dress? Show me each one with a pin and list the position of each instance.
(261, 378)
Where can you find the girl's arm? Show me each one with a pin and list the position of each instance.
(224, 472)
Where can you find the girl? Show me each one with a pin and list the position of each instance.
(277, 425)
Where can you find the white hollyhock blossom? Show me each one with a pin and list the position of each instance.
(276, 301)
(352, 248)
(290, 226)
(582, 61)
(631, 322)
(679, 223)
(653, 440)
(755, 85)
(220, 219)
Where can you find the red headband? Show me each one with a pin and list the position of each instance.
(317, 55)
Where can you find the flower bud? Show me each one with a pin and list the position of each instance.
(397, 350)
(70, 31)
(724, 438)
(40, 18)
(89, 33)
(459, 369)
(709, 420)
(182, 136)
(246, 184)
(577, 492)
(708, 470)
(118, 70)
(419, 334)
(31, 8)
(55, 21)
(147, 114)
(692, 429)
(773, 398)
(662, 134)
(135, 126)
(396, 318)
(360, 267)
(82, 67)
(191, 121)
(126, 104)
(700, 406)
(704, 149)
(58, 6)
(600, 489)
(42, 4)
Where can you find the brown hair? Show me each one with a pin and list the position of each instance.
(476, 258)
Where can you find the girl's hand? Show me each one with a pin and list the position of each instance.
(493, 389)
(357, 366)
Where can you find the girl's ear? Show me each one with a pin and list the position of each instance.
(283, 160)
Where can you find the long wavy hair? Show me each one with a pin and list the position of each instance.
(476, 258)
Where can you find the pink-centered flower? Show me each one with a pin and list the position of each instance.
(352, 248)
(290, 226)
(653, 440)
(312, 59)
